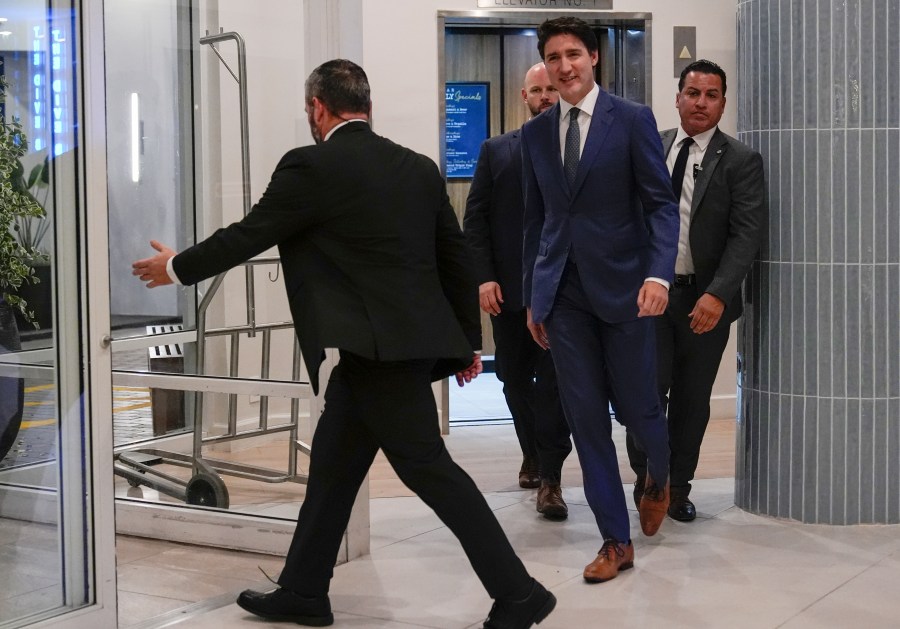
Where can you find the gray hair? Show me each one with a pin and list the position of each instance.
(340, 85)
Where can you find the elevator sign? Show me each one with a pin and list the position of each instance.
(546, 4)
(467, 125)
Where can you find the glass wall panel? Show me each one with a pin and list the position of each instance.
(210, 403)
(47, 534)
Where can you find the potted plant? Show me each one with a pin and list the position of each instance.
(22, 217)
(30, 231)
(16, 264)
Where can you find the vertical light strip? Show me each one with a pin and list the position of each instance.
(135, 139)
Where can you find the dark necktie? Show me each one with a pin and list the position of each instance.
(573, 147)
(680, 164)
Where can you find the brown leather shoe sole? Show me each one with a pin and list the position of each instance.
(624, 566)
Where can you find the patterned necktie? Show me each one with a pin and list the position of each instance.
(680, 165)
(573, 147)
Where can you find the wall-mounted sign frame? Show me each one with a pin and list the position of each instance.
(467, 106)
(553, 5)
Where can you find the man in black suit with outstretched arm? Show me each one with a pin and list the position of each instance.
(375, 265)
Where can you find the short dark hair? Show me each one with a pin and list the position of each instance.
(703, 66)
(566, 26)
(341, 85)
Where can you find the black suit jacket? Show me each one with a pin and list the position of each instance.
(374, 260)
(728, 214)
(494, 213)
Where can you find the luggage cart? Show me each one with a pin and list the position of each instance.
(205, 486)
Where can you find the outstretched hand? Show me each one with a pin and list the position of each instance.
(153, 270)
(470, 372)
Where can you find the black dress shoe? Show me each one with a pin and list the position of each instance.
(283, 604)
(681, 508)
(522, 614)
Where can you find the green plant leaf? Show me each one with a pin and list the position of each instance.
(34, 176)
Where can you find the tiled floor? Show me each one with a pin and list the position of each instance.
(727, 569)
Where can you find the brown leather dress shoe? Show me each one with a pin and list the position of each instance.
(613, 557)
(653, 507)
(529, 478)
(550, 502)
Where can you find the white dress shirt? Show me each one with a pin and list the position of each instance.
(684, 263)
(586, 107)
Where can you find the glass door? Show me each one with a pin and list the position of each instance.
(212, 411)
(56, 531)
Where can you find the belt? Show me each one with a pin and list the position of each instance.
(685, 280)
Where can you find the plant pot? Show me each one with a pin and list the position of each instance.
(12, 390)
(40, 301)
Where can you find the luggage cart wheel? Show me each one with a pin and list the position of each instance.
(133, 483)
(207, 490)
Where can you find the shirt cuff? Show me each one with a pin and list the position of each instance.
(652, 279)
(170, 270)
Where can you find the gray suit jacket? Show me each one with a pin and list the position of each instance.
(728, 215)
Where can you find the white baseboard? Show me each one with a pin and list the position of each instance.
(723, 407)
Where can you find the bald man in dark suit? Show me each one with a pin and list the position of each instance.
(493, 226)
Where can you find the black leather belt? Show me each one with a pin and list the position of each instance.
(685, 280)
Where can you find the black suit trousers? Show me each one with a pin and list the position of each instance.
(687, 367)
(389, 405)
(529, 386)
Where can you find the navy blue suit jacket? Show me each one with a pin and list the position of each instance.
(494, 214)
(619, 222)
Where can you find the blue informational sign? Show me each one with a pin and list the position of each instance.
(468, 125)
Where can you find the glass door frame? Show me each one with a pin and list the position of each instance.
(82, 356)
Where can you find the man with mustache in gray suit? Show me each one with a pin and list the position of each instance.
(720, 185)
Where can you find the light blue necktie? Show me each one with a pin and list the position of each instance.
(573, 147)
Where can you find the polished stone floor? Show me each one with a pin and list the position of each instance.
(727, 569)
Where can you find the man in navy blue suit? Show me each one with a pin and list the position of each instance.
(493, 228)
(601, 232)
